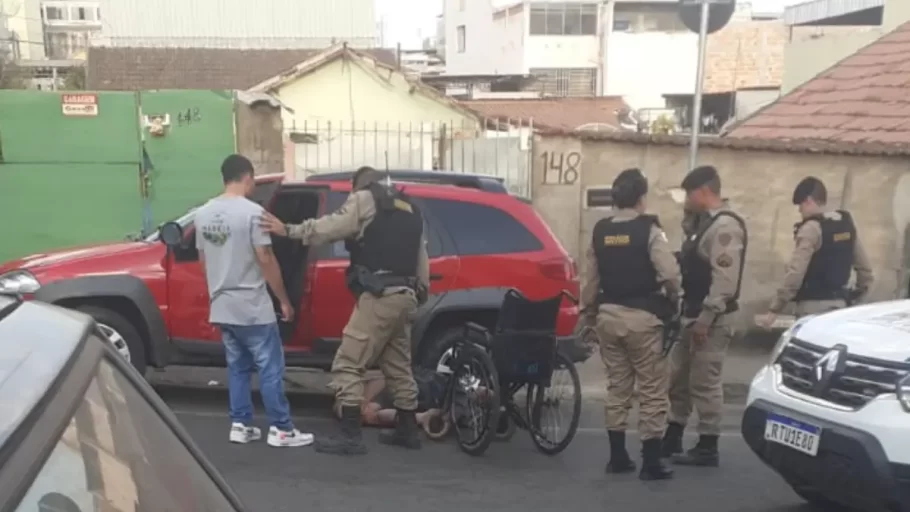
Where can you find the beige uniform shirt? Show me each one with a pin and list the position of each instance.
(723, 245)
(808, 241)
(350, 220)
(662, 258)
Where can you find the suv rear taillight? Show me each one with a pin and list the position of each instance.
(560, 269)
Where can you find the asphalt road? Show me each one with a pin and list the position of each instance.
(512, 476)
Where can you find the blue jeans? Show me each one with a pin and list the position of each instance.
(249, 347)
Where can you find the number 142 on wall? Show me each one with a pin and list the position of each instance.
(560, 168)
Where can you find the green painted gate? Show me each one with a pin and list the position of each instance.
(69, 180)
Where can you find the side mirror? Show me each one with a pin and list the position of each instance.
(171, 234)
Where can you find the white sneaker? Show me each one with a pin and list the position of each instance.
(243, 434)
(285, 438)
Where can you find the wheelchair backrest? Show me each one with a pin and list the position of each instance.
(518, 313)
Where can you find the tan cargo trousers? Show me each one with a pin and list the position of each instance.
(697, 377)
(631, 342)
(378, 332)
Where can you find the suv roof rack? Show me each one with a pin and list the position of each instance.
(478, 181)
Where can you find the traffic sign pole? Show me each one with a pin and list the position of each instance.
(699, 84)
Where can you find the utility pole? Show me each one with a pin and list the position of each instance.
(703, 28)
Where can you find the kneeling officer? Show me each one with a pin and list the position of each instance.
(629, 263)
(389, 276)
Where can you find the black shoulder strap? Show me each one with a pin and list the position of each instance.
(653, 219)
(742, 264)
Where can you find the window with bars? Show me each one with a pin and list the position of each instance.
(564, 81)
(563, 19)
(647, 18)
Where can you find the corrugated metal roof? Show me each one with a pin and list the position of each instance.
(224, 23)
(816, 10)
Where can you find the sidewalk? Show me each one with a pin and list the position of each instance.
(743, 361)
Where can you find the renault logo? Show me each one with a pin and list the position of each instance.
(829, 367)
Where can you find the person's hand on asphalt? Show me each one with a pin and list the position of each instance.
(765, 321)
(287, 312)
(272, 224)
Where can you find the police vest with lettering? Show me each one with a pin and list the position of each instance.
(391, 242)
(698, 272)
(829, 269)
(627, 276)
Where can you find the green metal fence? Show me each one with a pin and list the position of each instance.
(71, 167)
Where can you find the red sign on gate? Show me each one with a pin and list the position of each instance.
(79, 105)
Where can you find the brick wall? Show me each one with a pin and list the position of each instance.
(745, 54)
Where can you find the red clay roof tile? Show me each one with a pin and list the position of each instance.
(133, 69)
(864, 98)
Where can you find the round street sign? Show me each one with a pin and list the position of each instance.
(719, 14)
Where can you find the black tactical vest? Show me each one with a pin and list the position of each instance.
(829, 269)
(627, 276)
(697, 271)
(390, 244)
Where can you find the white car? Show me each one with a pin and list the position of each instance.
(830, 412)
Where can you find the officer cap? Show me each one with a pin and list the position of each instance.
(364, 177)
(807, 188)
(629, 187)
(699, 177)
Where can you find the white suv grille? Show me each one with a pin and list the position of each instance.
(861, 380)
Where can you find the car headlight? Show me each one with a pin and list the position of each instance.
(785, 338)
(18, 281)
(903, 393)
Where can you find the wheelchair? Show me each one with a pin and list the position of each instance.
(491, 369)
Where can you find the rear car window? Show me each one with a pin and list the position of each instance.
(117, 453)
(480, 229)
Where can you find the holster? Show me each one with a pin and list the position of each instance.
(672, 329)
(359, 279)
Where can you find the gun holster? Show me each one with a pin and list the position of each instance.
(672, 329)
(359, 280)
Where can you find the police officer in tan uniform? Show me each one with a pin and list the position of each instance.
(712, 264)
(389, 276)
(827, 248)
(632, 288)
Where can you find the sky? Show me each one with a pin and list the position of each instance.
(409, 21)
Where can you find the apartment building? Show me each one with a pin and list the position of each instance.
(38, 30)
(636, 49)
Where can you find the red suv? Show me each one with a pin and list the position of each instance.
(152, 303)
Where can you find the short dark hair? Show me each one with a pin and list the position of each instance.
(364, 176)
(235, 168)
(810, 187)
(629, 187)
(702, 176)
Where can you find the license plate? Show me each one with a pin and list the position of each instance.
(783, 322)
(798, 435)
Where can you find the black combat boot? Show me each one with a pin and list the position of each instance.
(652, 467)
(703, 454)
(620, 462)
(672, 442)
(405, 433)
(350, 440)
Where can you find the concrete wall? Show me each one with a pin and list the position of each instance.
(759, 184)
(260, 136)
(812, 50)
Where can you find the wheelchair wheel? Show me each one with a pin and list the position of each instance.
(475, 399)
(549, 429)
(505, 427)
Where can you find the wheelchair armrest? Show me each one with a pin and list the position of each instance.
(472, 328)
